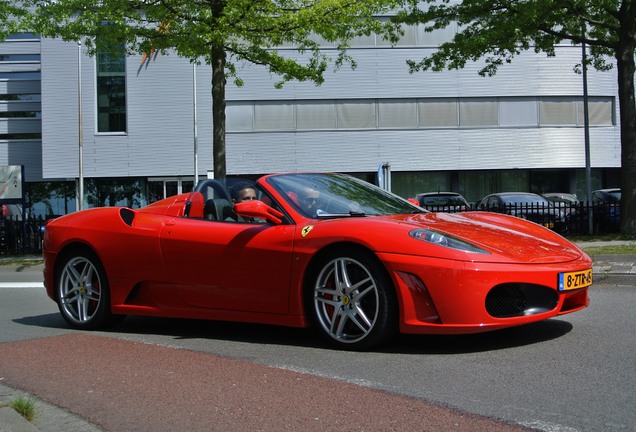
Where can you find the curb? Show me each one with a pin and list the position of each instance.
(11, 421)
(48, 418)
(601, 278)
(614, 269)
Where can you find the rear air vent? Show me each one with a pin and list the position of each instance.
(127, 216)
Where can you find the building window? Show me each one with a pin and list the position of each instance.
(436, 37)
(23, 36)
(557, 111)
(425, 113)
(273, 115)
(518, 111)
(438, 113)
(111, 90)
(316, 115)
(397, 113)
(239, 116)
(601, 111)
(408, 37)
(476, 113)
(356, 114)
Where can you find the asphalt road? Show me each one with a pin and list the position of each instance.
(575, 373)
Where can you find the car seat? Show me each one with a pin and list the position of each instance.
(219, 209)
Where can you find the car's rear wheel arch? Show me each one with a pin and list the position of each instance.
(71, 249)
(388, 319)
(84, 256)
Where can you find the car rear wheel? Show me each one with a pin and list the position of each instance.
(82, 291)
(353, 300)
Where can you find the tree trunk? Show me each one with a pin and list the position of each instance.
(626, 68)
(218, 111)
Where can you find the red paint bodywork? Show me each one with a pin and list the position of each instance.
(165, 264)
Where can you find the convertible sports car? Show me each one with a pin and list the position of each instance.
(355, 262)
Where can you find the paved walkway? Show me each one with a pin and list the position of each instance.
(120, 385)
(197, 391)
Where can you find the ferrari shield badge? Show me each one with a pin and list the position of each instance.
(306, 230)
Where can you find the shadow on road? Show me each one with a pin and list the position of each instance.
(184, 329)
(490, 341)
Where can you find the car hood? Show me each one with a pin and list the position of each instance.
(507, 238)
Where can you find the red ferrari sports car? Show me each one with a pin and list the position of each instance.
(324, 250)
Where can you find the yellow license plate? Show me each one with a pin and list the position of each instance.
(575, 280)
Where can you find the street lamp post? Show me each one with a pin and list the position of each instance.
(80, 202)
(586, 127)
(194, 123)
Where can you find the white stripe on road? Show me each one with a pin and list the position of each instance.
(543, 426)
(21, 284)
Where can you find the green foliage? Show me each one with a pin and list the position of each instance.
(12, 15)
(495, 31)
(248, 31)
(23, 406)
(499, 30)
(628, 249)
(224, 34)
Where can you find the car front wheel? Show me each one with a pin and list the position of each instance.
(82, 291)
(353, 300)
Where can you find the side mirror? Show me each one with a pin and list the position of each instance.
(259, 210)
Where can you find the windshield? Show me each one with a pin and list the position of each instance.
(336, 195)
(442, 200)
(562, 199)
(524, 199)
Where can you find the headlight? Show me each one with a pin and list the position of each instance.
(445, 240)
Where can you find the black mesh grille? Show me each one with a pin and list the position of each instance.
(511, 300)
(505, 301)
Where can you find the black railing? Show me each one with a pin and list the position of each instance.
(566, 219)
(18, 237)
(21, 237)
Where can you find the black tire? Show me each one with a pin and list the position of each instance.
(82, 291)
(351, 300)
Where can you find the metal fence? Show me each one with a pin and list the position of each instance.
(582, 218)
(21, 237)
(18, 237)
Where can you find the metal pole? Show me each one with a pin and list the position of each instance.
(586, 116)
(80, 204)
(194, 116)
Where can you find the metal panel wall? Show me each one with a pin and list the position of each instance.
(415, 150)
(159, 138)
(159, 141)
(14, 151)
(382, 73)
(60, 109)
(20, 47)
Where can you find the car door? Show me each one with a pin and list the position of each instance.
(229, 265)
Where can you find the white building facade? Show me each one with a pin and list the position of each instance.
(521, 130)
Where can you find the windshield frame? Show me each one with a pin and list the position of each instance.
(338, 195)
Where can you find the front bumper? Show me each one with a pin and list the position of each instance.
(439, 296)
